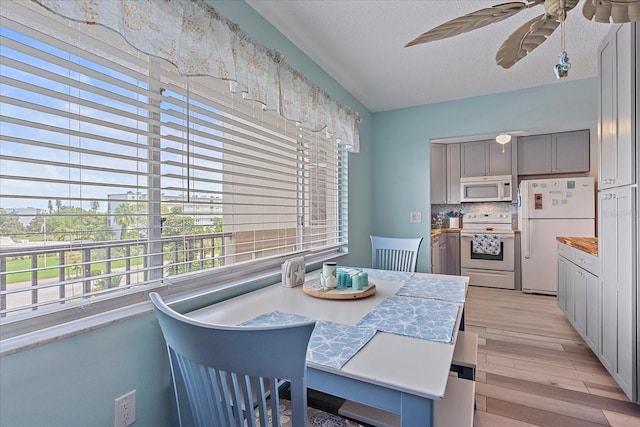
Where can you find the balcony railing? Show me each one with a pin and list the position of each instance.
(36, 275)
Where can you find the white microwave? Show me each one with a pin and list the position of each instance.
(486, 189)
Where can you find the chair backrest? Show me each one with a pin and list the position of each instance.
(229, 375)
(398, 254)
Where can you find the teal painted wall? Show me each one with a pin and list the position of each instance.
(401, 144)
(74, 381)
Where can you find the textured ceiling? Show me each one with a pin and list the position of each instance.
(360, 43)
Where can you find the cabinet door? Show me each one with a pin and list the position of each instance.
(617, 111)
(498, 158)
(534, 154)
(592, 333)
(435, 254)
(453, 254)
(563, 273)
(580, 300)
(453, 174)
(606, 114)
(617, 254)
(438, 173)
(444, 261)
(473, 159)
(570, 152)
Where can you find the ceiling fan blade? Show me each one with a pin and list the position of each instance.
(617, 11)
(525, 39)
(472, 21)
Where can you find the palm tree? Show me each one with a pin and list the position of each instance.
(125, 217)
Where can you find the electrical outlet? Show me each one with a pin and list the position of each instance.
(126, 409)
(415, 217)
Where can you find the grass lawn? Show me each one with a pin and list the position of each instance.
(21, 267)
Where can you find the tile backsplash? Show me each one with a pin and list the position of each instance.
(440, 219)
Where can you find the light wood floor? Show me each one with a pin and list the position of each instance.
(535, 370)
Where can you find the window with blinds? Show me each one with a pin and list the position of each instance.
(117, 173)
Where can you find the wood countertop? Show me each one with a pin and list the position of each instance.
(438, 231)
(584, 244)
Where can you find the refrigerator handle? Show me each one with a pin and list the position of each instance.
(526, 247)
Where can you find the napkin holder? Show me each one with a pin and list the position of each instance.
(293, 272)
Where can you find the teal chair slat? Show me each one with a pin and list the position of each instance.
(397, 254)
(229, 375)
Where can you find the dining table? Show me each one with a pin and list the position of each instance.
(391, 350)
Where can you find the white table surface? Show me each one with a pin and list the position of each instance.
(397, 363)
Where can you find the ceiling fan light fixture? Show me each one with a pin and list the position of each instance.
(503, 138)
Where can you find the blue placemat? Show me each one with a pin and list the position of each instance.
(392, 276)
(423, 287)
(332, 344)
(414, 317)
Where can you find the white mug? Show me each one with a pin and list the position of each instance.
(329, 275)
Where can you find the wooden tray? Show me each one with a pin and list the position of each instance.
(315, 289)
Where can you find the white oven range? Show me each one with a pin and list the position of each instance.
(487, 249)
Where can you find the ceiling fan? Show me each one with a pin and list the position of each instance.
(533, 33)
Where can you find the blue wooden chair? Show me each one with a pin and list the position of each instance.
(230, 375)
(398, 254)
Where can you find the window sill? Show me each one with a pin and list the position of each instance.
(16, 338)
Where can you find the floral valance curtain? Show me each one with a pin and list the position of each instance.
(194, 37)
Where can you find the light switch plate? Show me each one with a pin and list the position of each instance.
(415, 217)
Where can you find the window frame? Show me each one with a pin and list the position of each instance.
(234, 278)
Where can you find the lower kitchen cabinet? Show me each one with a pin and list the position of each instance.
(617, 253)
(445, 253)
(579, 292)
(435, 254)
(453, 254)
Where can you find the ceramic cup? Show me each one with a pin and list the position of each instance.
(329, 277)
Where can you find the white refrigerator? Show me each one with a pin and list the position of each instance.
(548, 208)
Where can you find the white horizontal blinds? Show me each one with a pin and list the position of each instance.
(324, 191)
(73, 162)
(116, 171)
(221, 151)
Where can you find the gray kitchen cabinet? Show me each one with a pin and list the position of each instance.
(498, 160)
(534, 154)
(484, 158)
(453, 254)
(565, 152)
(619, 240)
(592, 326)
(435, 254)
(453, 174)
(441, 260)
(444, 261)
(438, 174)
(579, 292)
(564, 277)
(580, 300)
(617, 114)
(617, 254)
(570, 151)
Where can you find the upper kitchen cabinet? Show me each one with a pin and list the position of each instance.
(438, 174)
(453, 174)
(566, 152)
(445, 173)
(617, 112)
(484, 158)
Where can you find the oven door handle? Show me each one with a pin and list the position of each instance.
(502, 236)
